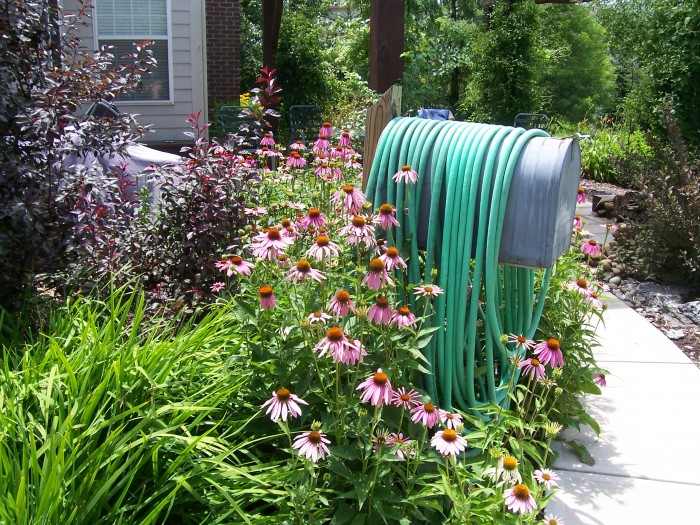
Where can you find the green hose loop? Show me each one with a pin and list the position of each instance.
(468, 168)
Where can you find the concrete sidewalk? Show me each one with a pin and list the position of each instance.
(647, 465)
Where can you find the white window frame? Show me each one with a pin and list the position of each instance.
(139, 38)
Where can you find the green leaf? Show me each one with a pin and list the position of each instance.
(581, 451)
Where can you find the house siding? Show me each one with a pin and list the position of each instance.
(168, 119)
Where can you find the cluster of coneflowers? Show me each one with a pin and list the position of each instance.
(308, 249)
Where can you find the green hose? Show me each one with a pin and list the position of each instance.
(470, 168)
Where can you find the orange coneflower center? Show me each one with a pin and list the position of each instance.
(303, 266)
(345, 133)
(318, 314)
(392, 252)
(265, 148)
(358, 221)
(546, 477)
(581, 189)
(428, 289)
(324, 165)
(429, 408)
(399, 441)
(577, 217)
(283, 394)
(348, 188)
(266, 134)
(592, 242)
(321, 136)
(552, 522)
(386, 209)
(236, 259)
(521, 492)
(449, 435)
(295, 154)
(298, 142)
(404, 310)
(286, 223)
(273, 234)
(534, 362)
(448, 415)
(335, 334)
(315, 437)
(314, 212)
(265, 291)
(342, 296)
(522, 339)
(405, 397)
(376, 265)
(406, 168)
(282, 257)
(380, 379)
(326, 124)
(321, 230)
(382, 302)
(339, 148)
(582, 283)
(553, 344)
(509, 463)
(322, 240)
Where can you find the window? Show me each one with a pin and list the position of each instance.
(120, 23)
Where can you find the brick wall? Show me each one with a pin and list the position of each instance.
(223, 50)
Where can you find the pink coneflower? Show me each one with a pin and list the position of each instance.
(295, 160)
(318, 317)
(380, 312)
(326, 129)
(269, 244)
(283, 261)
(450, 419)
(376, 389)
(321, 145)
(341, 153)
(427, 414)
(403, 318)
(323, 248)
(358, 232)
(313, 219)
(381, 438)
(377, 277)
(594, 300)
(283, 403)
(335, 343)
(591, 247)
(235, 264)
(406, 174)
(581, 286)
(392, 259)
(345, 139)
(578, 223)
(428, 290)
(217, 287)
(448, 443)
(267, 297)
(402, 446)
(297, 145)
(581, 195)
(519, 500)
(341, 304)
(312, 444)
(546, 477)
(267, 140)
(505, 473)
(266, 151)
(349, 198)
(302, 271)
(549, 353)
(599, 379)
(354, 353)
(255, 211)
(386, 217)
(251, 161)
(521, 342)
(533, 367)
(406, 400)
(352, 161)
(380, 246)
(323, 170)
(289, 230)
(551, 519)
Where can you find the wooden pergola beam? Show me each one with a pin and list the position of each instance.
(386, 46)
(272, 20)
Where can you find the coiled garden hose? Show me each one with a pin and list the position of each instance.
(469, 168)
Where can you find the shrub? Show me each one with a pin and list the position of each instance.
(663, 242)
(46, 78)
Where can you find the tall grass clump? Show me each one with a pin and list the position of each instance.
(107, 419)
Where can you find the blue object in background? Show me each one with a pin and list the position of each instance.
(435, 114)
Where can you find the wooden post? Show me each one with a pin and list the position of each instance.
(378, 116)
(386, 28)
(272, 19)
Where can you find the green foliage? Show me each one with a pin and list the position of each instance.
(663, 242)
(504, 77)
(656, 44)
(108, 418)
(578, 76)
